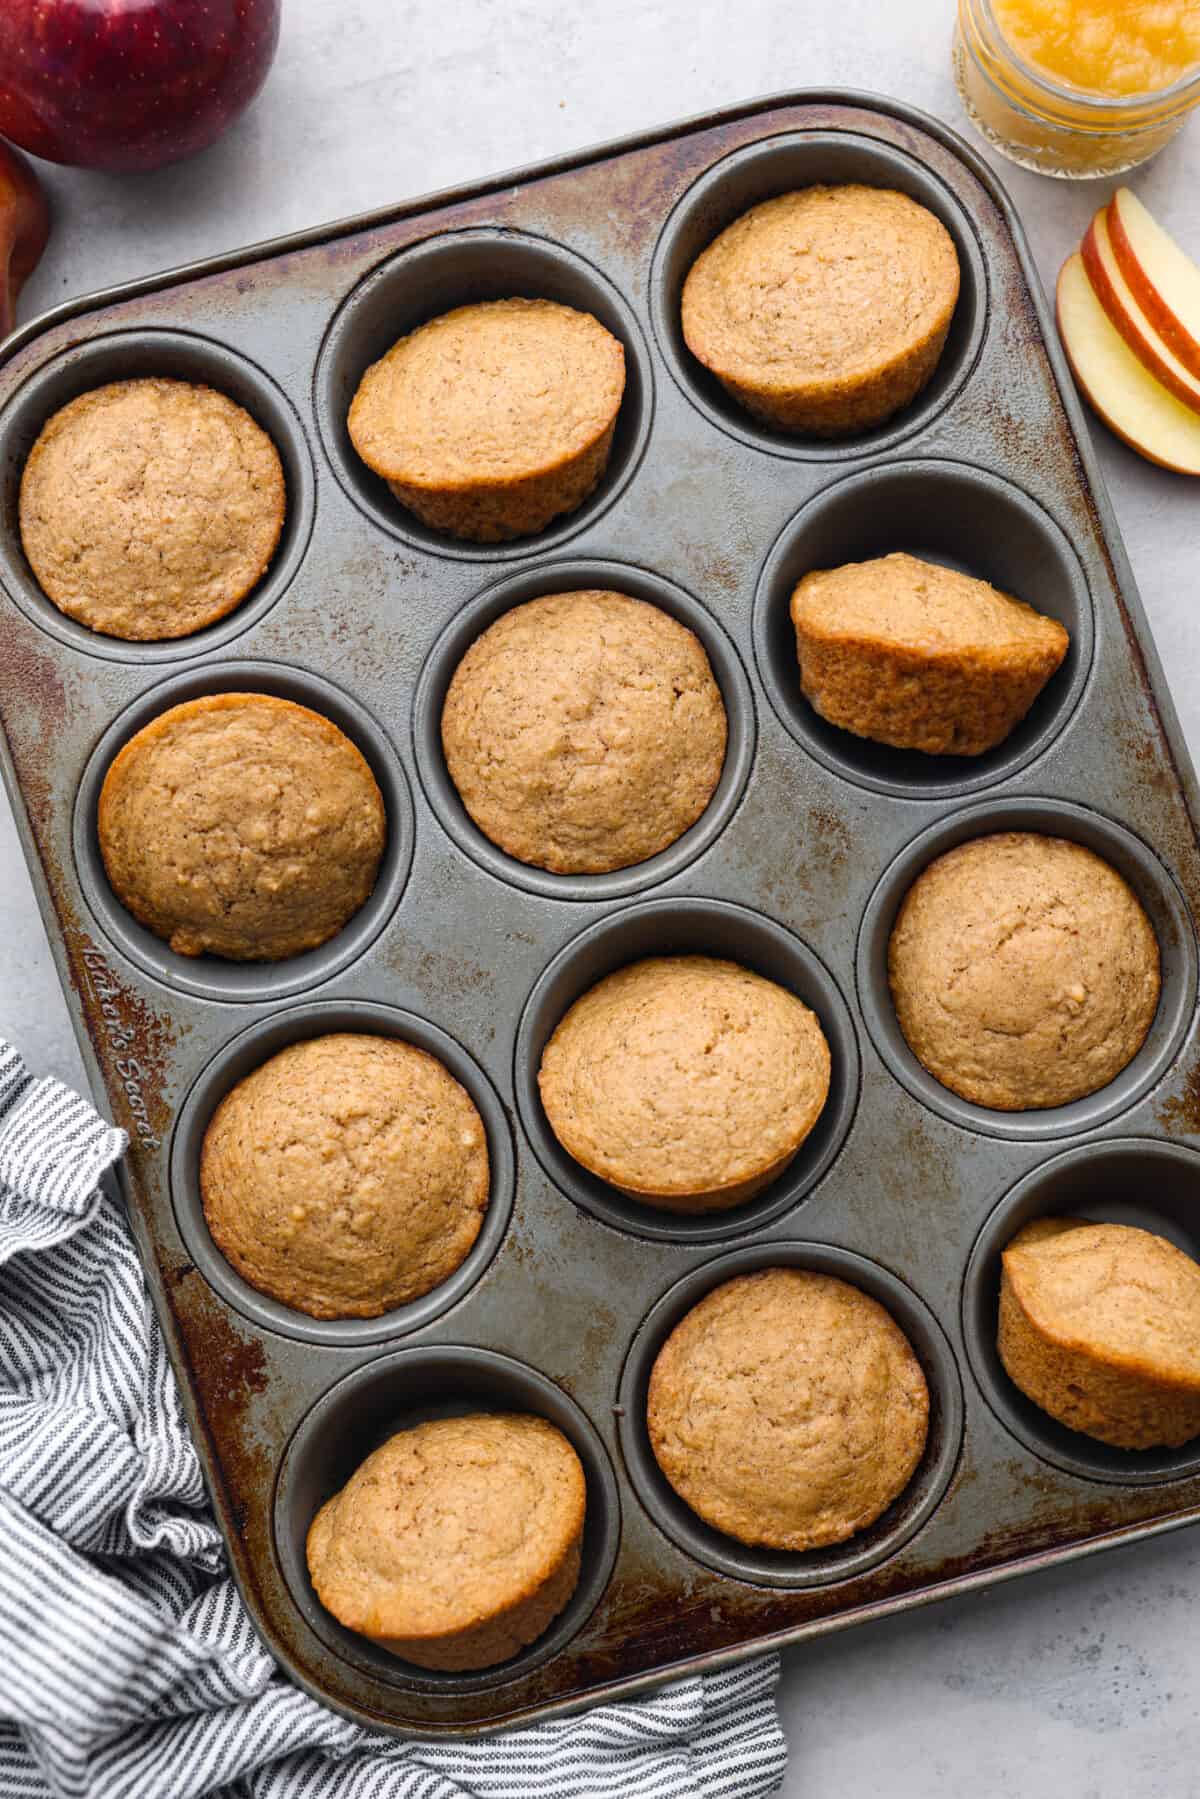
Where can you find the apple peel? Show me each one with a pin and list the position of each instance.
(24, 230)
(1119, 389)
(1163, 278)
(1121, 305)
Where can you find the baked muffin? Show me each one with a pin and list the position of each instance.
(493, 419)
(241, 825)
(150, 508)
(787, 1409)
(457, 1543)
(685, 1082)
(919, 656)
(1100, 1327)
(584, 731)
(1023, 970)
(824, 311)
(346, 1176)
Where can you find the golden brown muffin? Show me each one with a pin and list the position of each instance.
(787, 1409)
(346, 1176)
(686, 1082)
(493, 419)
(824, 311)
(584, 731)
(241, 825)
(919, 656)
(1100, 1327)
(150, 508)
(1024, 971)
(457, 1543)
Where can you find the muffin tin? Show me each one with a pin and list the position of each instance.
(796, 869)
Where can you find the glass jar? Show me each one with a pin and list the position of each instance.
(1045, 125)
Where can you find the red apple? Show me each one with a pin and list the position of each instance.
(1119, 302)
(129, 84)
(1164, 279)
(24, 228)
(1116, 385)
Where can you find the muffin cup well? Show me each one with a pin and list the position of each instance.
(211, 977)
(408, 1387)
(1154, 887)
(1123, 1180)
(461, 268)
(565, 577)
(670, 927)
(249, 1051)
(947, 512)
(128, 356)
(778, 165)
(907, 1513)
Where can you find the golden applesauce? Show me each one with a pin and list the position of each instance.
(1078, 87)
(1109, 47)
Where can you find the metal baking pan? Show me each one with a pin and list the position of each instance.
(796, 869)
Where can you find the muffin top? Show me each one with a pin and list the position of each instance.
(150, 508)
(495, 392)
(346, 1175)
(901, 602)
(1024, 971)
(1122, 1295)
(819, 286)
(241, 825)
(584, 731)
(448, 1524)
(787, 1409)
(684, 1074)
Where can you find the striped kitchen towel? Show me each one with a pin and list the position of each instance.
(128, 1666)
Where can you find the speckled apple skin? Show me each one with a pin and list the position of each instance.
(99, 85)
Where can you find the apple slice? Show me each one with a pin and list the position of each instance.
(1164, 280)
(1118, 388)
(1116, 296)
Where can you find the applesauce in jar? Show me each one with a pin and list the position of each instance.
(1078, 87)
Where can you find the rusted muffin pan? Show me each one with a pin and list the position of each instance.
(796, 869)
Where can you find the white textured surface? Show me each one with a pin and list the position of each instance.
(1080, 1684)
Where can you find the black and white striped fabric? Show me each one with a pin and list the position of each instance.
(128, 1666)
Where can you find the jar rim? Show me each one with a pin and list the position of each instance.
(1101, 107)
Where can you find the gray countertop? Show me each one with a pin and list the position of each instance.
(1079, 1683)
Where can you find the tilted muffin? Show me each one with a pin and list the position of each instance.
(1100, 1327)
(1023, 970)
(493, 419)
(686, 1082)
(787, 1409)
(345, 1176)
(150, 508)
(584, 731)
(825, 310)
(458, 1542)
(241, 825)
(919, 656)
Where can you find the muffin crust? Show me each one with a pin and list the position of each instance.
(241, 825)
(584, 731)
(686, 1082)
(919, 656)
(346, 1176)
(151, 508)
(493, 419)
(824, 310)
(1100, 1327)
(788, 1409)
(1024, 971)
(458, 1542)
